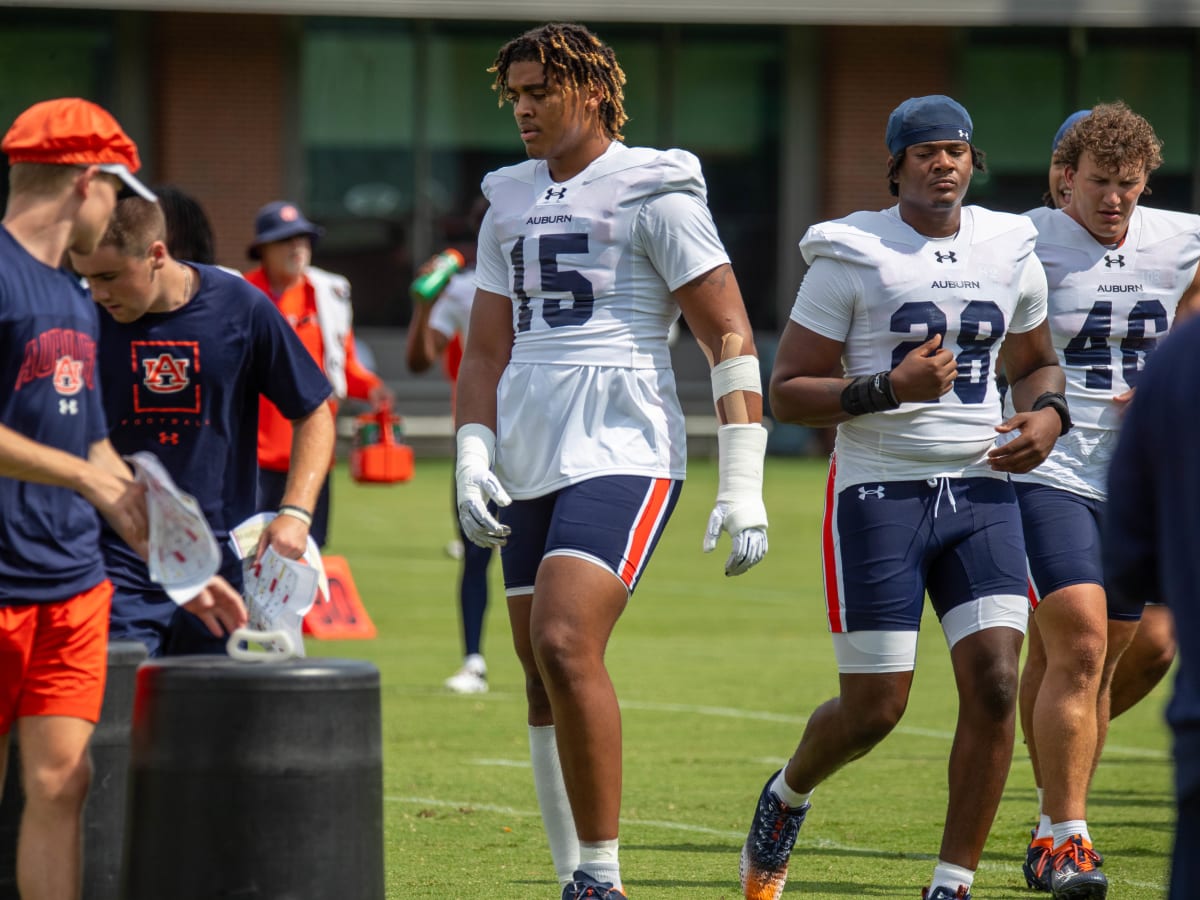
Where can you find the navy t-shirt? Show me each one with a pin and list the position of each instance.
(50, 393)
(1152, 523)
(185, 385)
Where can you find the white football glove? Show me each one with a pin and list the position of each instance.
(476, 483)
(739, 509)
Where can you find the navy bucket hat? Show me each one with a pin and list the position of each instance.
(279, 221)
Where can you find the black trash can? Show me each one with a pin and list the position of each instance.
(255, 781)
(104, 815)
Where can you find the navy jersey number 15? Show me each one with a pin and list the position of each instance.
(554, 280)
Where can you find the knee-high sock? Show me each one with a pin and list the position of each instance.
(552, 799)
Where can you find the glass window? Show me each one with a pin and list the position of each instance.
(46, 55)
(725, 109)
(1016, 97)
(1156, 82)
(470, 131)
(357, 126)
(1019, 85)
(399, 125)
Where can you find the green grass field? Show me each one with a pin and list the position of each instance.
(715, 676)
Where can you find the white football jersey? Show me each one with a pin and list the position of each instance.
(589, 265)
(1108, 308)
(883, 289)
(451, 313)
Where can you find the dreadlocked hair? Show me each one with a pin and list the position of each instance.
(573, 59)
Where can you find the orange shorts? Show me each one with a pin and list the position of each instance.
(54, 657)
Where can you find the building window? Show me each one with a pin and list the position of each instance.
(1020, 84)
(399, 124)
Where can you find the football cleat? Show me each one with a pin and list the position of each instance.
(1037, 862)
(944, 893)
(764, 863)
(1074, 874)
(471, 678)
(584, 885)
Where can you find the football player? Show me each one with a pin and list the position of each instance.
(589, 252)
(1118, 273)
(915, 304)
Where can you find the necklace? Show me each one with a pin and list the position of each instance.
(187, 284)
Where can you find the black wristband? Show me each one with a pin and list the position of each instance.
(1058, 403)
(869, 394)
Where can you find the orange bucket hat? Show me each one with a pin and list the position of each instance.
(70, 131)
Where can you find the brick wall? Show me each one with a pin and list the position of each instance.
(867, 72)
(221, 90)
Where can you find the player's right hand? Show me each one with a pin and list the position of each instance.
(122, 503)
(219, 606)
(476, 485)
(926, 373)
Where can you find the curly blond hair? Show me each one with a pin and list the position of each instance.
(1118, 139)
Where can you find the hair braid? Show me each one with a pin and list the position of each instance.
(574, 59)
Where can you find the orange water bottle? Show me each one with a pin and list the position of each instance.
(426, 287)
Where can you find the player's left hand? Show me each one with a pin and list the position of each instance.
(749, 542)
(286, 535)
(1037, 433)
(219, 606)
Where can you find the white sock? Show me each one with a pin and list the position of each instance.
(599, 859)
(1064, 830)
(950, 876)
(1044, 830)
(474, 662)
(781, 789)
(552, 799)
(1043, 819)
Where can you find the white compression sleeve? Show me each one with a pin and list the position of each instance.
(557, 817)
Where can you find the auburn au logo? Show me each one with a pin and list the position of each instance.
(68, 376)
(165, 374)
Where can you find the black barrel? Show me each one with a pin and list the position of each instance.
(255, 780)
(104, 815)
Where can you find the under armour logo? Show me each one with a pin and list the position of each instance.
(964, 134)
(168, 437)
(948, 256)
(876, 492)
(68, 407)
(552, 194)
(1118, 261)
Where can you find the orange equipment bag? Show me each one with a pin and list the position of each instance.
(377, 454)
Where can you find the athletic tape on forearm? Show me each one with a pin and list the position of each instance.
(737, 374)
(476, 445)
(740, 469)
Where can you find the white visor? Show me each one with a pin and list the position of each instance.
(126, 176)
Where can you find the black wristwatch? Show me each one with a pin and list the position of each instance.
(1058, 403)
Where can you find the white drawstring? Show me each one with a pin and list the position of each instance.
(943, 486)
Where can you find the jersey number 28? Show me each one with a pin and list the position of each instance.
(981, 324)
